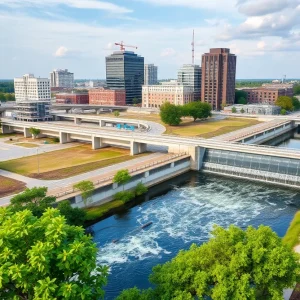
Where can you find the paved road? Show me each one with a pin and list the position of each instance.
(51, 184)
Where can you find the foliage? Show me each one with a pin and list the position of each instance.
(285, 102)
(240, 97)
(116, 113)
(7, 87)
(86, 188)
(140, 189)
(233, 110)
(122, 177)
(37, 201)
(234, 264)
(74, 216)
(292, 235)
(34, 131)
(242, 111)
(136, 294)
(44, 258)
(135, 101)
(197, 110)
(124, 196)
(249, 83)
(297, 89)
(296, 103)
(170, 114)
(96, 212)
(56, 140)
(283, 112)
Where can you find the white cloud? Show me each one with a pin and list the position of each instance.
(81, 4)
(252, 8)
(261, 45)
(61, 52)
(167, 52)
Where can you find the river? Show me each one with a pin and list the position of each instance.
(183, 212)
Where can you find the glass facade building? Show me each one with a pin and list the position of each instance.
(125, 71)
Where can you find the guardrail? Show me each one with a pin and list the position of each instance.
(98, 183)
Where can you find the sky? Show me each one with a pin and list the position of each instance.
(38, 36)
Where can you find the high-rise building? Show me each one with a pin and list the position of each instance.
(218, 77)
(33, 98)
(150, 74)
(191, 75)
(173, 92)
(62, 79)
(125, 71)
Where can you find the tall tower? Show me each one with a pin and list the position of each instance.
(125, 71)
(150, 74)
(218, 77)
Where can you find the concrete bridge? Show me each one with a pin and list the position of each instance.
(83, 107)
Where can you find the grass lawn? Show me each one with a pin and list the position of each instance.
(93, 213)
(27, 145)
(10, 186)
(292, 235)
(67, 162)
(205, 129)
(7, 135)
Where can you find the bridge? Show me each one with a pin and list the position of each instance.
(83, 107)
(271, 164)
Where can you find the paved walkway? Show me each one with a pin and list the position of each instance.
(62, 183)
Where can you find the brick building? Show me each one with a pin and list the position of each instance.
(72, 98)
(267, 95)
(218, 77)
(102, 96)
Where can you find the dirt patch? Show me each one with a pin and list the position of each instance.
(10, 186)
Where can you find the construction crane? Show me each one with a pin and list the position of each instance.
(193, 48)
(122, 46)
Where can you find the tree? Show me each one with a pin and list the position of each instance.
(285, 102)
(116, 113)
(140, 189)
(37, 201)
(135, 101)
(122, 177)
(296, 103)
(233, 110)
(34, 131)
(240, 94)
(197, 110)
(170, 114)
(242, 111)
(283, 112)
(2, 97)
(10, 97)
(242, 100)
(234, 264)
(44, 258)
(86, 188)
(297, 89)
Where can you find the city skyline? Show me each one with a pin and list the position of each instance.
(77, 35)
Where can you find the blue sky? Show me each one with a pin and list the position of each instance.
(40, 35)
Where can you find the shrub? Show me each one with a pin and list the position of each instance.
(124, 196)
(140, 189)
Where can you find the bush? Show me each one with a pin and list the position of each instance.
(124, 196)
(56, 140)
(140, 189)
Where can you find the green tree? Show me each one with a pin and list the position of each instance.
(122, 177)
(2, 97)
(297, 89)
(197, 110)
(285, 102)
(234, 264)
(37, 201)
(124, 196)
(242, 111)
(135, 101)
(233, 110)
(283, 111)
(296, 103)
(242, 100)
(116, 113)
(140, 189)
(44, 258)
(239, 94)
(34, 131)
(170, 114)
(86, 187)
(10, 97)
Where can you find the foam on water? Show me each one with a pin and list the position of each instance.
(188, 214)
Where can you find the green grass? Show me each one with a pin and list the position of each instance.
(6, 135)
(94, 213)
(67, 162)
(292, 235)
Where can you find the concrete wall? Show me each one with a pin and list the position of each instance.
(148, 178)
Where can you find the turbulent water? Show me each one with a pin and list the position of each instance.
(181, 216)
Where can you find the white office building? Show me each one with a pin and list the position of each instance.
(33, 98)
(150, 74)
(156, 95)
(62, 78)
(191, 75)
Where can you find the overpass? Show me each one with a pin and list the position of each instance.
(97, 108)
